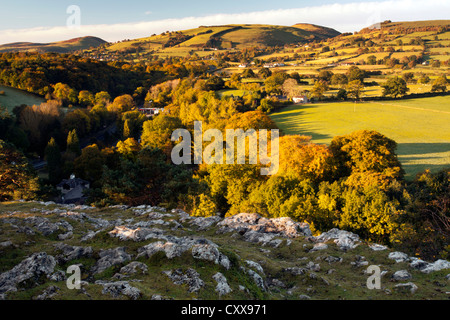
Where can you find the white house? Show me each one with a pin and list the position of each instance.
(300, 99)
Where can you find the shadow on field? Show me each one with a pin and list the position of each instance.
(405, 149)
(418, 157)
(291, 117)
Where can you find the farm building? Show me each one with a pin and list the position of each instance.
(72, 190)
(150, 112)
(300, 99)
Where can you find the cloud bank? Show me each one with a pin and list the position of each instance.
(347, 17)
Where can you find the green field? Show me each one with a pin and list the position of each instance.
(14, 97)
(419, 126)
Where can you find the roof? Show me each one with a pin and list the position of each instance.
(72, 183)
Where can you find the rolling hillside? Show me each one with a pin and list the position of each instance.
(59, 47)
(225, 37)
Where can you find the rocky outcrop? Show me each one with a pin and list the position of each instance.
(191, 278)
(201, 249)
(109, 258)
(222, 284)
(119, 288)
(344, 240)
(255, 228)
(31, 269)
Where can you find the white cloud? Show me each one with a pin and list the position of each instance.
(342, 17)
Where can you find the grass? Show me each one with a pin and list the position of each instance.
(15, 97)
(419, 126)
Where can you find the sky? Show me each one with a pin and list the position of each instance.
(56, 20)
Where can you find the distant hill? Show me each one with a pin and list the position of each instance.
(319, 31)
(59, 47)
(425, 25)
(224, 37)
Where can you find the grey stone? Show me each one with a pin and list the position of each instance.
(132, 268)
(118, 288)
(398, 256)
(191, 278)
(401, 275)
(222, 284)
(409, 286)
(109, 258)
(31, 268)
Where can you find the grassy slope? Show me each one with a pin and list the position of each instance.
(334, 280)
(14, 97)
(419, 126)
(60, 47)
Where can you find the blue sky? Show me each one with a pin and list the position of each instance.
(46, 20)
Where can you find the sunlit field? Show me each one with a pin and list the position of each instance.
(419, 126)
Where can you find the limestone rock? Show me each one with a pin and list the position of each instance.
(72, 252)
(436, 266)
(31, 268)
(109, 258)
(132, 268)
(118, 288)
(401, 275)
(222, 285)
(409, 286)
(191, 278)
(398, 256)
(344, 240)
(255, 265)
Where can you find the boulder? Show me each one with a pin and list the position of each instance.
(345, 240)
(132, 268)
(409, 286)
(48, 293)
(72, 252)
(284, 226)
(436, 266)
(203, 223)
(255, 265)
(401, 275)
(109, 258)
(222, 285)
(32, 268)
(398, 256)
(118, 288)
(191, 278)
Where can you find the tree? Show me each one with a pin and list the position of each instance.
(157, 133)
(372, 60)
(248, 73)
(290, 88)
(440, 84)
(264, 73)
(366, 158)
(325, 75)
(54, 161)
(86, 98)
(65, 94)
(355, 73)
(17, 178)
(122, 104)
(73, 143)
(89, 165)
(102, 98)
(318, 90)
(339, 79)
(354, 89)
(395, 87)
(275, 81)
